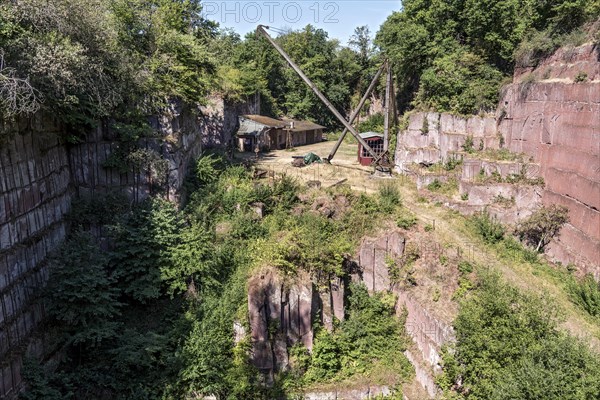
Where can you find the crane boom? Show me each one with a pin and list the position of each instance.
(356, 112)
(261, 29)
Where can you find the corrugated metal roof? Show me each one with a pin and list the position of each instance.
(266, 121)
(367, 135)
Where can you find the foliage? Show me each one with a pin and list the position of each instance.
(543, 225)
(370, 337)
(468, 144)
(453, 55)
(374, 123)
(406, 220)
(89, 60)
(461, 83)
(143, 238)
(488, 227)
(253, 65)
(508, 345)
(580, 77)
(448, 188)
(97, 210)
(40, 383)
(586, 293)
(389, 198)
(81, 293)
(452, 162)
(434, 185)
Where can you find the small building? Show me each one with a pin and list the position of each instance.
(375, 141)
(256, 131)
(302, 133)
(271, 134)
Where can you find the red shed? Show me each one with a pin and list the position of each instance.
(375, 141)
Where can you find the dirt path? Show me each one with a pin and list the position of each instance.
(450, 228)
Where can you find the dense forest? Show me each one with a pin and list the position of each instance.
(148, 311)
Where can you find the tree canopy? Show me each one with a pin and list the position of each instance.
(452, 55)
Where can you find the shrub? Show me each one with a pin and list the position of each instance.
(143, 238)
(580, 77)
(543, 225)
(81, 292)
(488, 227)
(459, 82)
(586, 293)
(389, 197)
(465, 267)
(533, 49)
(406, 220)
(468, 146)
(452, 162)
(374, 123)
(508, 346)
(370, 338)
(435, 185)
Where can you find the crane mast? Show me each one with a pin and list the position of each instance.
(261, 29)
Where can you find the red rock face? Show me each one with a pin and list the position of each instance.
(565, 63)
(278, 314)
(557, 122)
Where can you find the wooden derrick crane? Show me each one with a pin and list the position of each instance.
(380, 160)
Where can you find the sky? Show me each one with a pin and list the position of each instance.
(338, 18)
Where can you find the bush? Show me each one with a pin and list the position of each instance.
(406, 220)
(468, 146)
(460, 82)
(488, 227)
(143, 238)
(508, 346)
(435, 185)
(374, 123)
(389, 198)
(543, 225)
(370, 340)
(532, 50)
(580, 77)
(586, 293)
(81, 293)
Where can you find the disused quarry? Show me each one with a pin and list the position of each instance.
(135, 264)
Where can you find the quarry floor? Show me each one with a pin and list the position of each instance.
(450, 227)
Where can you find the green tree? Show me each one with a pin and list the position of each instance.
(508, 346)
(144, 239)
(542, 226)
(81, 292)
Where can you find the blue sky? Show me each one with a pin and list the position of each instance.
(338, 18)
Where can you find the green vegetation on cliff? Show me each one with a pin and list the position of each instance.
(453, 55)
(508, 346)
(151, 315)
(87, 60)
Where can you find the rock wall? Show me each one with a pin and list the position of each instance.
(433, 137)
(281, 313)
(35, 195)
(556, 121)
(550, 119)
(40, 175)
